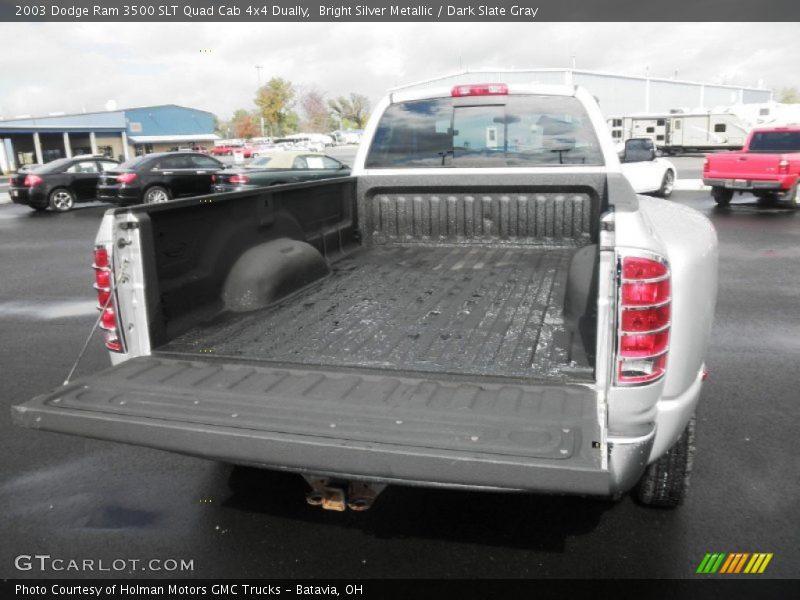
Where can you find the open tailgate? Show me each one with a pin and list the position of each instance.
(335, 421)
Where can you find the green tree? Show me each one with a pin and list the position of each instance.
(353, 110)
(275, 101)
(221, 126)
(790, 95)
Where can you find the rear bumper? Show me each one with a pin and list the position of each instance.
(221, 188)
(750, 184)
(27, 196)
(116, 194)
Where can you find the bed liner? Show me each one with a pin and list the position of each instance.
(477, 310)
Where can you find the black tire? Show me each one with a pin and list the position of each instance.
(792, 198)
(721, 196)
(665, 482)
(667, 184)
(61, 199)
(156, 195)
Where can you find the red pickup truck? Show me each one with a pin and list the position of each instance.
(768, 166)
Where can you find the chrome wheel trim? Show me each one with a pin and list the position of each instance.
(156, 197)
(669, 183)
(62, 200)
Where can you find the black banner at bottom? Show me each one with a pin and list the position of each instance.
(107, 589)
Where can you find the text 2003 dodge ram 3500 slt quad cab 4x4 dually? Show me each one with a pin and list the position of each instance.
(485, 304)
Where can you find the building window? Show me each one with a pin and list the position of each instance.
(763, 112)
(659, 138)
(677, 124)
(650, 130)
(719, 128)
(616, 122)
(616, 134)
(660, 122)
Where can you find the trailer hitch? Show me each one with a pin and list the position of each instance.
(340, 495)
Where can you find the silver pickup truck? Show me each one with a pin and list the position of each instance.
(485, 304)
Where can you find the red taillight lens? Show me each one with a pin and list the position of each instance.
(645, 294)
(109, 319)
(213, 179)
(643, 345)
(481, 89)
(642, 268)
(648, 319)
(705, 165)
(126, 178)
(32, 180)
(783, 167)
(103, 284)
(102, 298)
(102, 279)
(238, 179)
(101, 258)
(644, 323)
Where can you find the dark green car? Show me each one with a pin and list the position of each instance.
(279, 167)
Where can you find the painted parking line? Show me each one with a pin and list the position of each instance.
(691, 185)
(48, 311)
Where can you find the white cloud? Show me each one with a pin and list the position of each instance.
(75, 66)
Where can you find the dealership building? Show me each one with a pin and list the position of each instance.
(120, 134)
(618, 95)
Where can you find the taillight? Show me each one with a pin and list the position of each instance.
(644, 320)
(104, 285)
(705, 164)
(481, 89)
(783, 167)
(213, 179)
(126, 178)
(32, 180)
(238, 179)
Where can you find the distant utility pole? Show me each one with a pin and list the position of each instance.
(261, 116)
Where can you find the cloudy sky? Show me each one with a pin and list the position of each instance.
(72, 67)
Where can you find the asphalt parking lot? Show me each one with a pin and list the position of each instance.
(77, 498)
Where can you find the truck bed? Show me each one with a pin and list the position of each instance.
(482, 310)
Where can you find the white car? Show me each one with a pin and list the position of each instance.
(645, 170)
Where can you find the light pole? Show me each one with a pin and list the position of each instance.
(260, 115)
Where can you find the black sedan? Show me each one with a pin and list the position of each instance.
(59, 184)
(158, 178)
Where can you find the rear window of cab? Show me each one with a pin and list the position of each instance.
(498, 131)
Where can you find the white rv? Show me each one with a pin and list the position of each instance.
(683, 132)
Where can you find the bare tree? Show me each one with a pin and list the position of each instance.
(352, 111)
(790, 95)
(316, 111)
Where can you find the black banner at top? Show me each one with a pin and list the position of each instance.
(262, 11)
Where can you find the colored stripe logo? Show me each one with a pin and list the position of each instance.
(734, 563)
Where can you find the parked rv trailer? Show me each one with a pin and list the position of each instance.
(683, 132)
